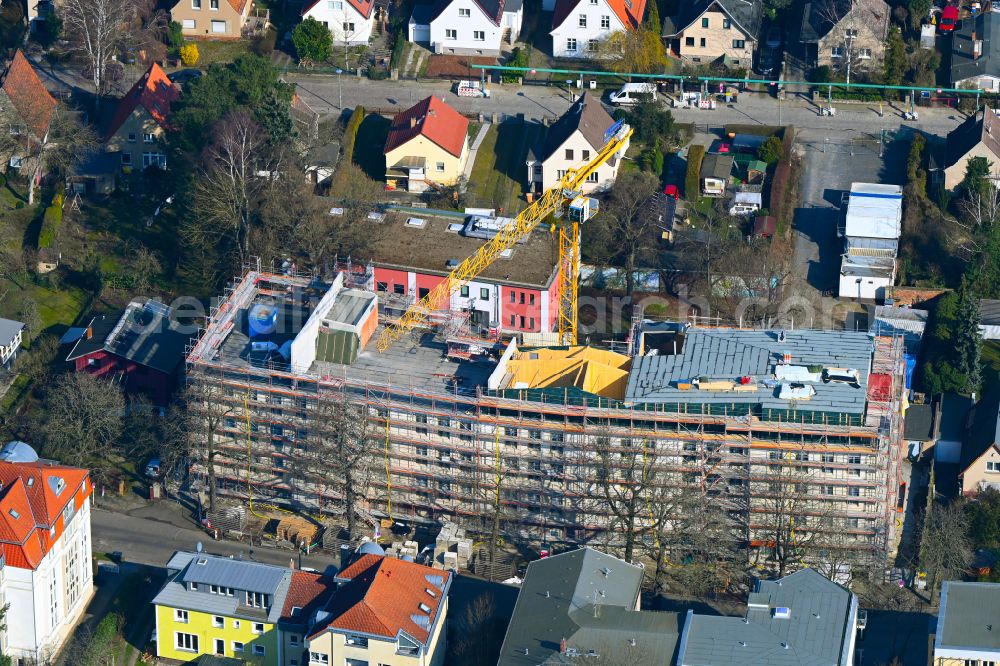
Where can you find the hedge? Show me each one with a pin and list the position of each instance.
(755, 130)
(780, 201)
(351, 131)
(692, 180)
(51, 221)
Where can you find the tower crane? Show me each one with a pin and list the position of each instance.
(552, 201)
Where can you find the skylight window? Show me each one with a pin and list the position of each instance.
(424, 607)
(14, 514)
(430, 592)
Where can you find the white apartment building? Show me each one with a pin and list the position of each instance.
(578, 26)
(350, 21)
(471, 27)
(45, 535)
(575, 139)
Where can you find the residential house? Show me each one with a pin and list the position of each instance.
(427, 144)
(831, 33)
(215, 605)
(705, 31)
(214, 19)
(477, 27)
(141, 348)
(803, 618)
(974, 61)
(989, 319)
(384, 611)
(716, 173)
(308, 593)
(573, 141)
(967, 622)
(350, 21)
(26, 110)
(977, 136)
(979, 466)
(38, 11)
(141, 119)
(578, 26)
(581, 604)
(45, 572)
(11, 334)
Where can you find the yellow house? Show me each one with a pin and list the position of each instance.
(428, 145)
(213, 605)
(385, 611)
(214, 19)
(137, 128)
(979, 466)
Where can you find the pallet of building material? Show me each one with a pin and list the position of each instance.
(502, 568)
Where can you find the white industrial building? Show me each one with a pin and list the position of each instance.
(871, 230)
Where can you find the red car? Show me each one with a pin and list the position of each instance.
(948, 19)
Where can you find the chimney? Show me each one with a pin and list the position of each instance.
(562, 646)
(413, 121)
(977, 47)
(90, 332)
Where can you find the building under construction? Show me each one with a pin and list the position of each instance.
(795, 435)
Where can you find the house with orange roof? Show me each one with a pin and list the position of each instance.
(349, 21)
(140, 121)
(428, 145)
(384, 611)
(45, 545)
(212, 19)
(579, 26)
(26, 111)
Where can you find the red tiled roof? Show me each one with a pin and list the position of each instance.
(28, 95)
(307, 591)
(239, 5)
(32, 501)
(384, 596)
(435, 120)
(363, 7)
(154, 92)
(629, 12)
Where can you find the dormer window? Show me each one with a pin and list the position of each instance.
(257, 600)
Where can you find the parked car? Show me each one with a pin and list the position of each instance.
(153, 468)
(773, 37)
(633, 93)
(948, 19)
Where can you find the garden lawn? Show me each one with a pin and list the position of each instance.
(498, 174)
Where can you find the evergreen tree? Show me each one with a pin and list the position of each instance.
(968, 343)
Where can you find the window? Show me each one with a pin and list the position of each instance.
(592, 45)
(739, 44)
(583, 20)
(195, 4)
(569, 153)
(185, 642)
(851, 33)
(319, 658)
(522, 298)
(361, 641)
(865, 54)
(689, 41)
(704, 22)
(854, 491)
(218, 621)
(181, 615)
(828, 490)
(348, 27)
(191, 586)
(992, 466)
(522, 321)
(258, 627)
(531, 299)
(726, 24)
(464, 13)
(148, 137)
(127, 159)
(213, 5)
(189, 24)
(464, 291)
(257, 600)
(439, 166)
(571, 44)
(513, 295)
(531, 323)
(237, 646)
(702, 42)
(293, 640)
(335, 4)
(398, 289)
(451, 34)
(853, 460)
(560, 174)
(592, 177)
(154, 159)
(484, 293)
(236, 624)
(836, 52)
(219, 27)
(422, 292)
(605, 22)
(478, 35)
(585, 155)
(258, 650)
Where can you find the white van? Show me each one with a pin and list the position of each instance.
(633, 93)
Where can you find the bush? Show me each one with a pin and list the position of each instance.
(651, 159)
(692, 180)
(51, 221)
(175, 35)
(351, 132)
(312, 40)
(822, 74)
(771, 151)
(263, 44)
(397, 51)
(190, 54)
(518, 58)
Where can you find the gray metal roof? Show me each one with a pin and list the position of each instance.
(349, 306)
(240, 575)
(557, 601)
(733, 353)
(822, 616)
(989, 312)
(717, 165)
(969, 616)
(9, 330)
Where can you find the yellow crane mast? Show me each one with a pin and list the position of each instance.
(553, 200)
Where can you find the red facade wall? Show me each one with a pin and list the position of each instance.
(156, 385)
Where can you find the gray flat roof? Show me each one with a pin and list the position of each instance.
(813, 634)
(9, 330)
(733, 353)
(349, 306)
(969, 616)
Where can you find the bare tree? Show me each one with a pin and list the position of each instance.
(477, 634)
(753, 287)
(99, 30)
(209, 408)
(625, 478)
(854, 23)
(945, 545)
(631, 222)
(83, 418)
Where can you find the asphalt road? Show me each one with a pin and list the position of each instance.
(150, 541)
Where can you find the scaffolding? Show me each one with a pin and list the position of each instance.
(444, 447)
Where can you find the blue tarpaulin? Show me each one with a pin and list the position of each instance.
(911, 365)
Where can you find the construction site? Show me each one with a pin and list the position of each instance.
(788, 431)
